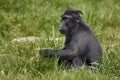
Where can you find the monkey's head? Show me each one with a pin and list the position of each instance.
(69, 21)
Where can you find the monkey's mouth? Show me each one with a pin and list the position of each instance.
(62, 31)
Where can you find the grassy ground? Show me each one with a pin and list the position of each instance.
(40, 18)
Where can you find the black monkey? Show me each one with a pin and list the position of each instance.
(81, 46)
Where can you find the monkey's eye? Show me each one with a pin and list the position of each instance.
(64, 18)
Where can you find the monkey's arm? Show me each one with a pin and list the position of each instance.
(64, 54)
(76, 48)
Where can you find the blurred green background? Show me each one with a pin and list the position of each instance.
(40, 18)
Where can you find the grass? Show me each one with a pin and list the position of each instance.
(39, 18)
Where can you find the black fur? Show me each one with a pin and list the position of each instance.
(81, 46)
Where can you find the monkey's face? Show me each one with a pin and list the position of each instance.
(66, 24)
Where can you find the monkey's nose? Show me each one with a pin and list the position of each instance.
(60, 28)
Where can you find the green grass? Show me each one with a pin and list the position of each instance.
(40, 18)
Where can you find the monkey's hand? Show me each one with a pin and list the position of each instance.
(44, 53)
(48, 53)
